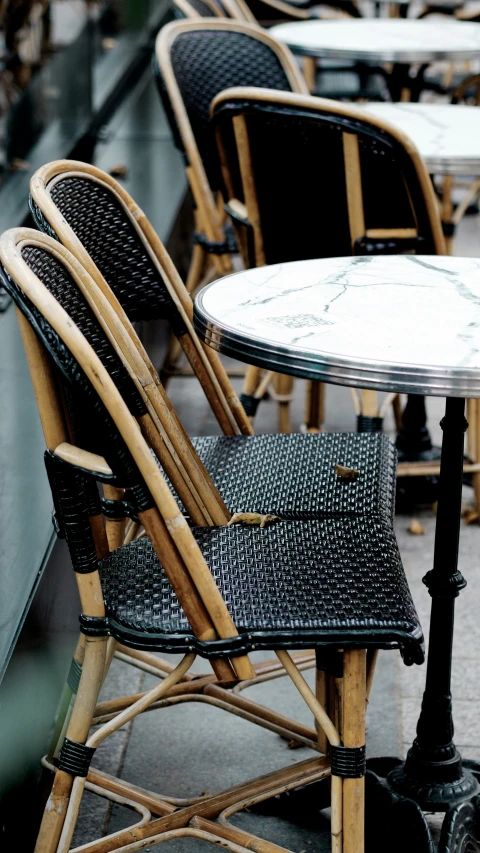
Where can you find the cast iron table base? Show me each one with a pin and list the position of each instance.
(433, 778)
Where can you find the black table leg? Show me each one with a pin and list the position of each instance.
(433, 778)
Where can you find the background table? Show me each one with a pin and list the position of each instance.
(446, 135)
(403, 42)
(389, 40)
(397, 323)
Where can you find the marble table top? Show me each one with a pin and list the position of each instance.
(395, 323)
(383, 39)
(446, 135)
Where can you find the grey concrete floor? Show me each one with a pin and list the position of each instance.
(192, 748)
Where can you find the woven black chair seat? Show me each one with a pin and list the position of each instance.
(294, 475)
(336, 581)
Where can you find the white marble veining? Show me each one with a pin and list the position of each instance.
(404, 322)
(446, 135)
(382, 40)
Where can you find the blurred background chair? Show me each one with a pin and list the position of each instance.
(372, 193)
(195, 61)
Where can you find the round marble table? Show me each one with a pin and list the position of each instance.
(446, 135)
(393, 323)
(385, 40)
(404, 42)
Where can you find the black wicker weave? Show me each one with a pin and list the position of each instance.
(338, 581)
(294, 475)
(206, 62)
(290, 475)
(202, 8)
(107, 233)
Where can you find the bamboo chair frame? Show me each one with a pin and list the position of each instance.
(209, 217)
(189, 11)
(202, 193)
(205, 363)
(365, 402)
(197, 592)
(161, 426)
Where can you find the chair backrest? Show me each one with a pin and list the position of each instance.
(321, 179)
(97, 220)
(197, 60)
(198, 9)
(235, 9)
(468, 91)
(36, 270)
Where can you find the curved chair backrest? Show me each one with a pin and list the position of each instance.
(32, 266)
(235, 9)
(196, 61)
(198, 9)
(321, 179)
(97, 220)
(468, 91)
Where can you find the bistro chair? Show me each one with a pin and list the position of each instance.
(371, 190)
(194, 62)
(335, 582)
(198, 9)
(292, 476)
(95, 218)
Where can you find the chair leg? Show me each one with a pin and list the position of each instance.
(115, 527)
(473, 438)
(250, 385)
(67, 700)
(77, 730)
(314, 406)
(354, 701)
(196, 268)
(397, 411)
(283, 392)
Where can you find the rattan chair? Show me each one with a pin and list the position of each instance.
(91, 213)
(331, 582)
(292, 475)
(95, 218)
(369, 192)
(195, 60)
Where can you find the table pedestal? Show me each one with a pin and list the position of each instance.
(433, 774)
(433, 778)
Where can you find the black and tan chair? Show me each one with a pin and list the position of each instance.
(368, 193)
(331, 582)
(198, 9)
(292, 476)
(195, 60)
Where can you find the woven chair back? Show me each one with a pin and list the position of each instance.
(198, 9)
(197, 60)
(35, 270)
(321, 179)
(96, 219)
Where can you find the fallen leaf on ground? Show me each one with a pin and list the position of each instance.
(294, 744)
(415, 528)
